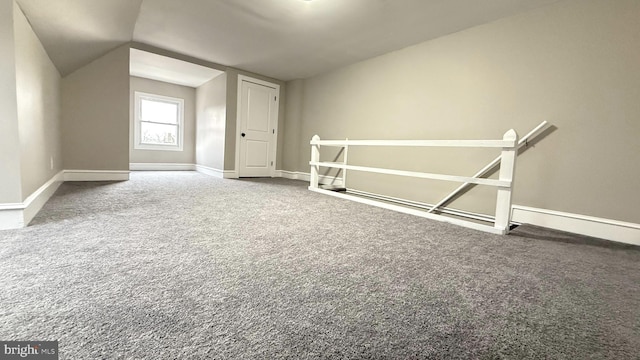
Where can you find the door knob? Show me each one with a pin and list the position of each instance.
(243, 134)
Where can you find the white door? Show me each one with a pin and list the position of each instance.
(258, 120)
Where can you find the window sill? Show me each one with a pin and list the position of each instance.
(157, 148)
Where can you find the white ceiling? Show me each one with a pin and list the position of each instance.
(283, 39)
(157, 67)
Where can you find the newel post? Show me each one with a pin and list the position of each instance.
(507, 173)
(344, 161)
(315, 158)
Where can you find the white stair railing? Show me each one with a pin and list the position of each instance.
(504, 183)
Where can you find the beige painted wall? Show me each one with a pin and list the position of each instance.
(211, 119)
(231, 120)
(291, 141)
(188, 94)
(574, 63)
(10, 187)
(95, 114)
(38, 100)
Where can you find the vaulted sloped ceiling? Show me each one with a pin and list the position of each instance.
(283, 39)
(76, 32)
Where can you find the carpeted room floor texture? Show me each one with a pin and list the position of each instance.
(179, 265)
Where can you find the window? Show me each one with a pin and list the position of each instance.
(158, 122)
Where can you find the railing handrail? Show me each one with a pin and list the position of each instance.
(418, 143)
(416, 174)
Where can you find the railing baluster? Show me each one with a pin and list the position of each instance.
(507, 172)
(344, 158)
(315, 169)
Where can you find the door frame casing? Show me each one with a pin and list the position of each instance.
(274, 150)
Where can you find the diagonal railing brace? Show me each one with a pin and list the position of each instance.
(522, 142)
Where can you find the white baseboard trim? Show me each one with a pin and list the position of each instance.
(620, 231)
(19, 215)
(96, 175)
(161, 167)
(221, 174)
(298, 175)
(293, 175)
(36, 201)
(11, 219)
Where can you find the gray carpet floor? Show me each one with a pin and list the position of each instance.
(185, 266)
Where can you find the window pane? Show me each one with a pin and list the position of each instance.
(158, 134)
(158, 111)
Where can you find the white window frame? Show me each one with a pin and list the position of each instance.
(138, 145)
